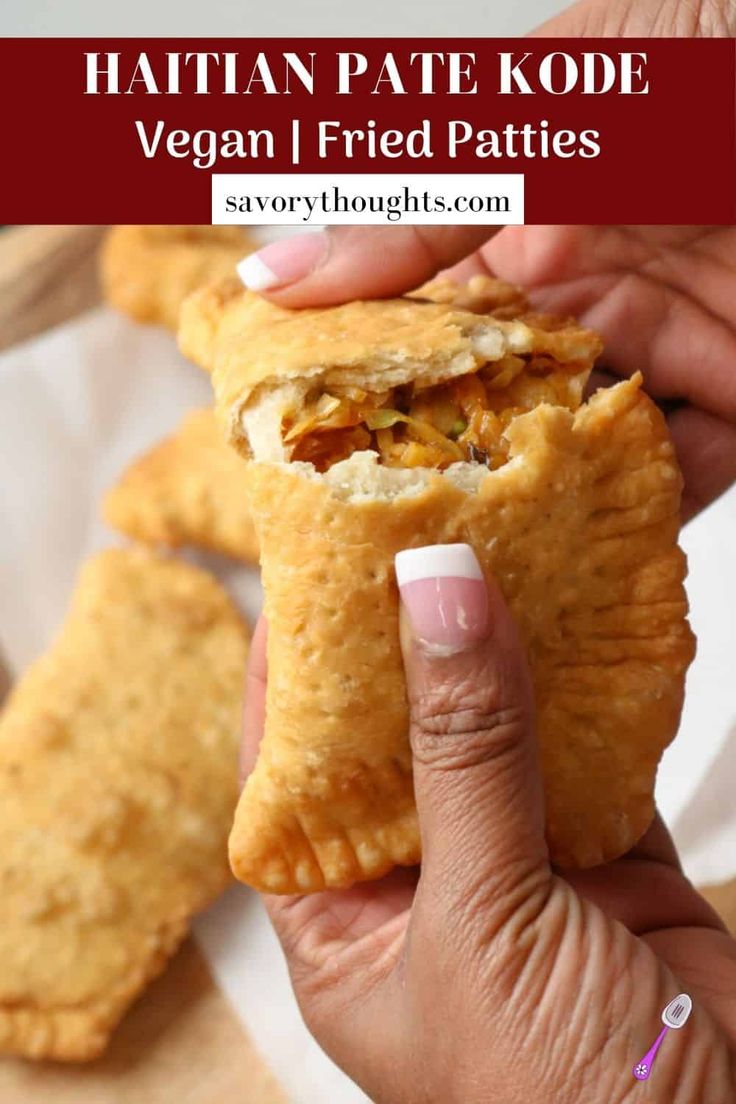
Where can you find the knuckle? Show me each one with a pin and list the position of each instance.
(465, 728)
(498, 914)
(426, 246)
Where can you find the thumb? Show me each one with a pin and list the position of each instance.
(476, 776)
(356, 262)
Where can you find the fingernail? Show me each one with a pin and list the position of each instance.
(444, 594)
(283, 262)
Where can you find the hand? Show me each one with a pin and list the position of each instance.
(664, 298)
(490, 976)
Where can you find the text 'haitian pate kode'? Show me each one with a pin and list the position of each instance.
(377, 426)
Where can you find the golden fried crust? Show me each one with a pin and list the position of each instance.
(481, 295)
(488, 295)
(580, 530)
(118, 779)
(249, 344)
(148, 271)
(188, 490)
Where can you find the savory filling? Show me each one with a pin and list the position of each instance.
(410, 427)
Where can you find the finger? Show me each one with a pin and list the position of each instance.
(464, 270)
(706, 451)
(254, 708)
(649, 318)
(476, 776)
(656, 845)
(357, 262)
(647, 19)
(646, 889)
(644, 895)
(705, 960)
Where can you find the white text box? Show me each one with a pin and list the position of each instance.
(298, 199)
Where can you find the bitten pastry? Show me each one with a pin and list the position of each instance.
(148, 271)
(118, 780)
(187, 490)
(379, 426)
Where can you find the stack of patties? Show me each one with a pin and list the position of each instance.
(188, 488)
(119, 746)
(377, 426)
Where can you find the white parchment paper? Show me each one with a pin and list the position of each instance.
(80, 402)
(75, 406)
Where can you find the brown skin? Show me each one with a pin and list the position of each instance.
(491, 976)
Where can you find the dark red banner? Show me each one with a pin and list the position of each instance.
(604, 130)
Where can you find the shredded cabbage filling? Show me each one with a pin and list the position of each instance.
(461, 420)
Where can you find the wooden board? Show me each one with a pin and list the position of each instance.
(180, 1044)
(47, 274)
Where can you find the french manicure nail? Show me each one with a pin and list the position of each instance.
(444, 594)
(283, 262)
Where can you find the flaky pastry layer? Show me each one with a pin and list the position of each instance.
(265, 358)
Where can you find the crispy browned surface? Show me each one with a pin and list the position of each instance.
(251, 345)
(580, 530)
(481, 294)
(190, 489)
(489, 295)
(148, 271)
(118, 771)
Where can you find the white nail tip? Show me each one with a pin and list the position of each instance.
(255, 274)
(457, 561)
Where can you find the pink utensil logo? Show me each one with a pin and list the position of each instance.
(674, 1016)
